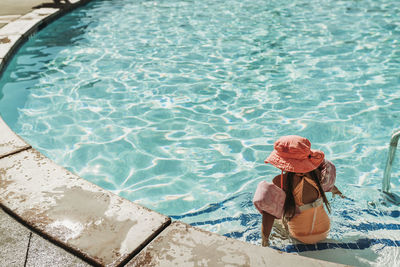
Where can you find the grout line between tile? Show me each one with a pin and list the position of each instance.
(27, 249)
(16, 152)
(145, 243)
(47, 237)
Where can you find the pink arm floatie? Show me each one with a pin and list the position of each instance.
(269, 198)
(328, 175)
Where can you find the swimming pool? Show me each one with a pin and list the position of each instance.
(176, 104)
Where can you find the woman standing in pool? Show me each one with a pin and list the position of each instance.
(298, 194)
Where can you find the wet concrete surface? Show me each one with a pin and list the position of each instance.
(14, 240)
(101, 227)
(20, 247)
(183, 245)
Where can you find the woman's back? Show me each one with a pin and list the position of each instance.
(312, 224)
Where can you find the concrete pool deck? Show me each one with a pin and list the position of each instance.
(52, 217)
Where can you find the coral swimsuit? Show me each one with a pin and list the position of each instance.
(312, 224)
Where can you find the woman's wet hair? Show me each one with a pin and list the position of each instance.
(290, 205)
(316, 180)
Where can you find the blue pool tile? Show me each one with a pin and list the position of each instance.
(388, 242)
(353, 245)
(302, 247)
(364, 243)
(291, 249)
(333, 245)
(344, 245)
(322, 246)
(395, 213)
(253, 237)
(360, 244)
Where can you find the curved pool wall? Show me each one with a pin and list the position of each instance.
(92, 223)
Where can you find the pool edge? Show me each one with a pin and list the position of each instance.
(14, 146)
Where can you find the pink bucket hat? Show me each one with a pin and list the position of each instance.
(293, 153)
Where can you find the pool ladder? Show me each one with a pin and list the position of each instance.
(386, 176)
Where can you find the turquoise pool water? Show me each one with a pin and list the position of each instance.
(175, 105)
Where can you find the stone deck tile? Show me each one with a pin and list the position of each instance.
(43, 253)
(15, 7)
(27, 24)
(40, 13)
(14, 239)
(7, 44)
(20, 27)
(183, 245)
(94, 223)
(8, 18)
(9, 141)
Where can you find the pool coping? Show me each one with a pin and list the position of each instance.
(38, 193)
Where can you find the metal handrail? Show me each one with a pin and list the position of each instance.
(392, 152)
